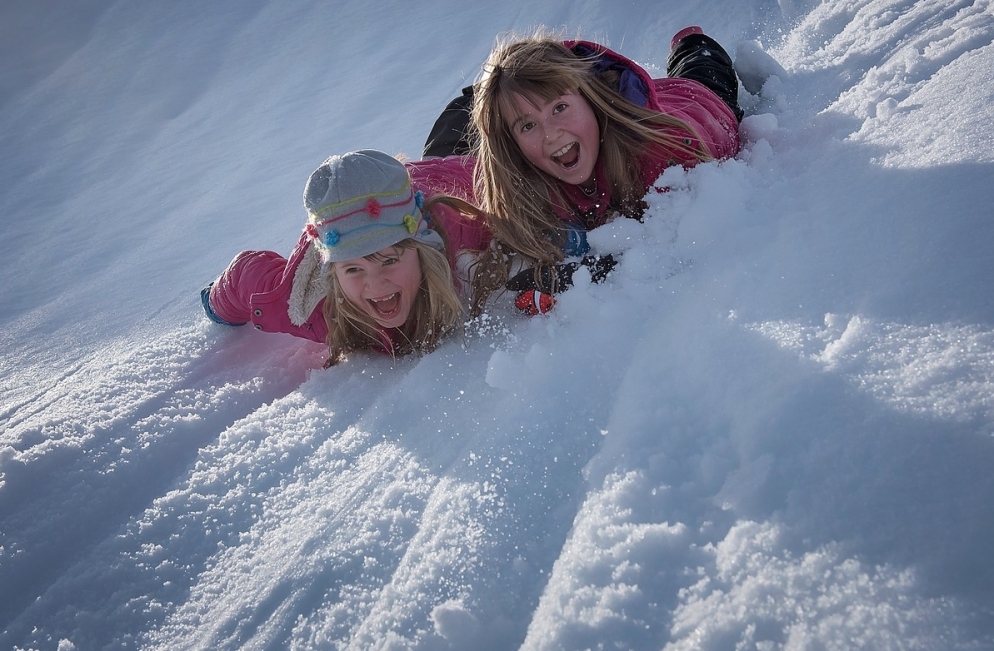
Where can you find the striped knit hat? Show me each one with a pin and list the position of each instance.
(362, 202)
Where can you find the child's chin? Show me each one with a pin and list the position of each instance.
(395, 322)
(572, 176)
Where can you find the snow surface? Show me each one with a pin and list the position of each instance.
(771, 428)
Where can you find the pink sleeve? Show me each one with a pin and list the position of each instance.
(251, 272)
(463, 233)
(702, 109)
(452, 176)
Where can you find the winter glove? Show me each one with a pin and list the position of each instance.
(558, 278)
(535, 291)
(532, 302)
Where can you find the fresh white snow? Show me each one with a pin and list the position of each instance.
(771, 428)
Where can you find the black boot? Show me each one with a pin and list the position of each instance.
(697, 56)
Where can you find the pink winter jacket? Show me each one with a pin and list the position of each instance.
(257, 286)
(691, 101)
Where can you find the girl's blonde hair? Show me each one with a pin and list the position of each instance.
(435, 313)
(519, 198)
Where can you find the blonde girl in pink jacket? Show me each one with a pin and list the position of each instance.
(373, 268)
(572, 134)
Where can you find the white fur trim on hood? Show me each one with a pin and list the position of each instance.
(310, 285)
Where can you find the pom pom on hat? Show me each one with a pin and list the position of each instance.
(361, 202)
(373, 208)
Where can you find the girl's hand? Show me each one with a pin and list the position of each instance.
(535, 290)
(533, 302)
(558, 278)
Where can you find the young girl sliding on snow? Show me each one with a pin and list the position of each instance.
(373, 268)
(571, 134)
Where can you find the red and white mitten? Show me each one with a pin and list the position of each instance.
(532, 302)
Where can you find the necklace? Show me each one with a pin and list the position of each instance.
(591, 191)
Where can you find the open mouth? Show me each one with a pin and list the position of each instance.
(387, 306)
(568, 156)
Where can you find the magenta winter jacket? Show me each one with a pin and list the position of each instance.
(259, 287)
(691, 101)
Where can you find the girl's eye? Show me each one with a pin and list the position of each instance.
(348, 271)
(559, 108)
(527, 126)
(390, 260)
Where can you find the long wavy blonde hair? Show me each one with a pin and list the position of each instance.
(435, 313)
(519, 198)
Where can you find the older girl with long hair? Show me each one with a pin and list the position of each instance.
(569, 134)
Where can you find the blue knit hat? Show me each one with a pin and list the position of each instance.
(362, 202)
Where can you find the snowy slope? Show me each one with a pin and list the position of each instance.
(771, 428)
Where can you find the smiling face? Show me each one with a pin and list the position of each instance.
(383, 284)
(559, 136)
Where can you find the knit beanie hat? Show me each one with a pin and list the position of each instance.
(362, 202)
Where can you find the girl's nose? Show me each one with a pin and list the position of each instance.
(550, 131)
(373, 279)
